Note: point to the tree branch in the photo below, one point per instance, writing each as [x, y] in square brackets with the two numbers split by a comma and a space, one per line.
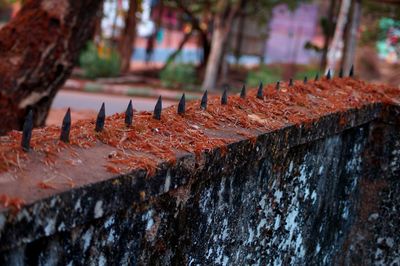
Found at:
[194, 21]
[171, 58]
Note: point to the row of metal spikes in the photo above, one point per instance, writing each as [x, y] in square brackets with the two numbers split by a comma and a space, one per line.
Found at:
[66, 124]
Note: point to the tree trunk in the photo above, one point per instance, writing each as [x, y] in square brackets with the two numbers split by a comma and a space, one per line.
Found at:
[152, 39]
[328, 33]
[127, 38]
[38, 49]
[351, 36]
[223, 63]
[97, 34]
[239, 37]
[224, 68]
[114, 24]
[213, 62]
[239, 34]
[338, 36]
[222, 26]
[205, 43]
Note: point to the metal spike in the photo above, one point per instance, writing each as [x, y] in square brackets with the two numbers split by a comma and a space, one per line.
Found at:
[182, 105]
[290, 82]
[351, 73]
[101, 117]
[66, 127]
[341, 73]
[316, 77]
[243, 92]
[224, 98]
[260, 91]
[328, 74]
[129, 114]
[203, 103]
[277, 86]
[157, 109]
[27, 132]
[305, 80]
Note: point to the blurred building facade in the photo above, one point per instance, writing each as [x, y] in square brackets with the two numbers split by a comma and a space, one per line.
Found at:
[289, 32]
[282, 41]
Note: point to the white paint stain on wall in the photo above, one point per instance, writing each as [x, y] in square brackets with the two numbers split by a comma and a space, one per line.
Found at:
[98, 209]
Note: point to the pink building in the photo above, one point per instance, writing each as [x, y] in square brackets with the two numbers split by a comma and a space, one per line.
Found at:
[289, 32]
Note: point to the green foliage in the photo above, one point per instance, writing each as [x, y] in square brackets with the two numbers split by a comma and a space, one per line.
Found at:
[273, 73]
[377, 30]
[371, 34]
[378, 9]
[386, 23]
[306, 71]
[178, 75]
[264, 74]
[97, 65]
[373, 11]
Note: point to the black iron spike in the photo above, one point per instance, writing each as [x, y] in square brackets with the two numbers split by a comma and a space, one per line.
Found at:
[129, 114]
[182, 105]
[290, 82]
[27, 131]
[101, 117]
[316, 77]
[328, 74]
[305, 80]
[278, 85]
[157, 109]
[66, 127]
[204, 99]
[224, 98]
[243, 92]
[351, 73]
[341, 72]
[260, 91]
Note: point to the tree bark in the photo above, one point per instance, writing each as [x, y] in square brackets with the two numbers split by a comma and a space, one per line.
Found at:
[239, 36]
[328, 34]
[205, 43]
[338, 36]
[351, 36]
[151, 41]
[222, 26]
[213, 62]
[38, 49]
[128, 36]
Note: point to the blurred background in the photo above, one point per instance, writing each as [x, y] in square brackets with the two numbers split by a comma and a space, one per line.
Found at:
[145, 48]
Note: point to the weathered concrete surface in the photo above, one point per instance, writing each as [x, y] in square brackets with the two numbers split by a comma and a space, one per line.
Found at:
[325, 194]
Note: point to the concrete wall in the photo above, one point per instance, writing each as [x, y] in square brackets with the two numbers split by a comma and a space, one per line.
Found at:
[321, 194]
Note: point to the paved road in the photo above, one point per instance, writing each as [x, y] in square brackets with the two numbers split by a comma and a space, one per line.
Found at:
[85, 105]
[83, 101]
